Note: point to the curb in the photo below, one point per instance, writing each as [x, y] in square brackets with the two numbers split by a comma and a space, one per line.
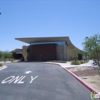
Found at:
[81, 81]
[6, 62]
[3, 67]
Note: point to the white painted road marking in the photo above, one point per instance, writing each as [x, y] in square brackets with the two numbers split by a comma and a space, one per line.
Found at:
[27, 72]
[17, 79]
[33, 78]
[8, 79]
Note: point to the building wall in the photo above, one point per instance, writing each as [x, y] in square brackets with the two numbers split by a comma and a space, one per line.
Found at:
[24, 52]
[65, 52]
[42, 52]
[61, 52]
[68, 53]
[46, 52]
[72, 54]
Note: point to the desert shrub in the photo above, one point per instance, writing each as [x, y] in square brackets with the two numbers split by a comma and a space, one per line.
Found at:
[1, 65]
[75, 62]
[81, 62]
[86, 61]
[12, 60]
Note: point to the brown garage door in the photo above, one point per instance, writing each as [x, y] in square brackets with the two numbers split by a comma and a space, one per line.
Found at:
[42, 52]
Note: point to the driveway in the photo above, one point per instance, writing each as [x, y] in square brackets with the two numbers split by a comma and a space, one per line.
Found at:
[39, 81]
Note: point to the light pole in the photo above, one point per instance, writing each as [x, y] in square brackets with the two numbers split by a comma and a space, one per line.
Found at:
[86, 55]
[86, 38]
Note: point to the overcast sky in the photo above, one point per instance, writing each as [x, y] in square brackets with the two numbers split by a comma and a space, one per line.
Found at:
[47, 18]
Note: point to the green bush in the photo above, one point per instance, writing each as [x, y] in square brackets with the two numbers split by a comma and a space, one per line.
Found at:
[78, 62]
[81, 62]
[5, 55]
[1, 65]
[75, 62]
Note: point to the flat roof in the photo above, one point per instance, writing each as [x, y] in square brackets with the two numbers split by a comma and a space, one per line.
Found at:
[42, 39]
[47, 39]
[16, 50]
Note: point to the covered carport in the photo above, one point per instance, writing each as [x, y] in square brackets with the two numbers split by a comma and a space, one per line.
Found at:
[17, 53]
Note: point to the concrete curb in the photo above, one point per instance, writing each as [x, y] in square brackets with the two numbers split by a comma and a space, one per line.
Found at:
[81, 81]
[3, 67]
[6, 62]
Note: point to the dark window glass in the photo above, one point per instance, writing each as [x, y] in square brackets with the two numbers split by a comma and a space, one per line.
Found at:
[57, 42]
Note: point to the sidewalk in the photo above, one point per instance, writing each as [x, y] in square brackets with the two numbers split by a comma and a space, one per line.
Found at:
[68, 64]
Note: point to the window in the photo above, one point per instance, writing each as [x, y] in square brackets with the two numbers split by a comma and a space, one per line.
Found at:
[53, 42]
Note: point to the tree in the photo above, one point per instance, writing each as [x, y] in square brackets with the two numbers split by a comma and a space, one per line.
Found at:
[0, 54]
[5, 55]
[92, 47]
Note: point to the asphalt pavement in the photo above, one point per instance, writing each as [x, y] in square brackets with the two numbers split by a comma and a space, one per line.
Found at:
[39, 81]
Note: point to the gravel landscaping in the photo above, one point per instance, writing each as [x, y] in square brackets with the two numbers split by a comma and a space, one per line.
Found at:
[84, 71]
[89, 75]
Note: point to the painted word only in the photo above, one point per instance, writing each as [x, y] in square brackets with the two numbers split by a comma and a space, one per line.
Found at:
[17, 79]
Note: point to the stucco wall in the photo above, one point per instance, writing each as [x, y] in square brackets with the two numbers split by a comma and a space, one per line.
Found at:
[24, 52]
[65, 52]
[61, 52]
[72, 53]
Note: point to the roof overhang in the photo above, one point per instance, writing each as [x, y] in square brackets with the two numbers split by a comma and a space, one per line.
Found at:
[47, 39]
[42, 39]
[16, 50]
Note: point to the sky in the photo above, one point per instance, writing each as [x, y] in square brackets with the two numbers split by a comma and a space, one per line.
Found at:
[47, 18]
